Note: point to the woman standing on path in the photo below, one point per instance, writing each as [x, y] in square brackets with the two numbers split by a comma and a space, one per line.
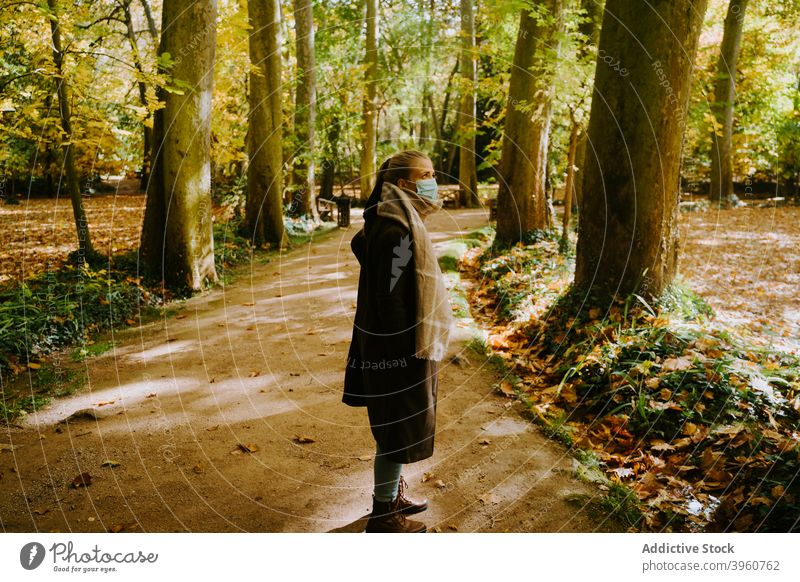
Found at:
[401, 332]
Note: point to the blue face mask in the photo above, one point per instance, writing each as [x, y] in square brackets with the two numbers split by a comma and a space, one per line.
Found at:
[427, 188]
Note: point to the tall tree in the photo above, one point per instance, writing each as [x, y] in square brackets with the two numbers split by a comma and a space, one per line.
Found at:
[177, 240]
[86, 252]
[467, 172]
[722, 108]
[370, 113]
[147, 127]
[264, 208]
[590, 30]
[521, 201]
[628, 232]
[426, 41]
[305, 107]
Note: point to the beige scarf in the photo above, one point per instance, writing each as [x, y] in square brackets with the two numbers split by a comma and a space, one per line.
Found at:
[434, 315]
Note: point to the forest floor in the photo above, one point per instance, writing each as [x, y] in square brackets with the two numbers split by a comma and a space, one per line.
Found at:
[259, 363]
[227, 416]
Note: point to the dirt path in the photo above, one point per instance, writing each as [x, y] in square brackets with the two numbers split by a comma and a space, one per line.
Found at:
[261, 362]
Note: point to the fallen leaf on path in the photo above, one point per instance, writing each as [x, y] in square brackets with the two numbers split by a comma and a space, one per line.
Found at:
[182, 316]
[82, 480]
[484, 442]
[676, 364]
[41, 511]
[303, 439]
[365, 458]
[427, 476]
[115, 528]
[151, 395]
[210, 428]
[105, 403]
[506, 388]
[254, 373]
[622, 472]
[662, 446]
[198, 469]
[110, 463]
[250, 448]
[439, 484]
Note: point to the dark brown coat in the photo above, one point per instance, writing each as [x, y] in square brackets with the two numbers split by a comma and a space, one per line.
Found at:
[398, 389]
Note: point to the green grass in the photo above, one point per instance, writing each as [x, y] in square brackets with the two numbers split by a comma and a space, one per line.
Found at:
[79, 354]
[48, 382]
[619, 503]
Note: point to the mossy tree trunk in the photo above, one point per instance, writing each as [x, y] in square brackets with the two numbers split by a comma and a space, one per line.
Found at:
[370, 112]
[147, 126]
[467, 172]
[628, 230]
[590, 29]
[521, 200]
[86, 252]
[264, 207]
[177, 236]
[722, 108]
[305, 108]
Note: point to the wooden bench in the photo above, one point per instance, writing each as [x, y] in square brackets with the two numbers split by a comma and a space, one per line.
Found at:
[325, 208]
[450, 197]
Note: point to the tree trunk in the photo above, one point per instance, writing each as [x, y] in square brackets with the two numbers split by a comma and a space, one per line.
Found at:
[722, 108]
[590, 28]
[427, 44]
[467, 173]
[329, 162]
[439, 149]
[521, 199]
[151, 23]
[147, 130]
[86, 252]
[264, 208]
[177, 236]
[368, 143]
[570, 182]
[628, 231]
[305, 107]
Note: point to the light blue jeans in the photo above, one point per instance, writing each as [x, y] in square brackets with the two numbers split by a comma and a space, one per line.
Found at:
[387, 476]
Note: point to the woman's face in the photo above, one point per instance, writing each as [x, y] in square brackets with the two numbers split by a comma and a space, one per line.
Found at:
[419, 169]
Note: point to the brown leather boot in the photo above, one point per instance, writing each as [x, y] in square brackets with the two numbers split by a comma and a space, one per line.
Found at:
[387, 518]
[407, 505]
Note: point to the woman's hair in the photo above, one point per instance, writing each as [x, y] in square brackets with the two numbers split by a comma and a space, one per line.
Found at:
[392, 169]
